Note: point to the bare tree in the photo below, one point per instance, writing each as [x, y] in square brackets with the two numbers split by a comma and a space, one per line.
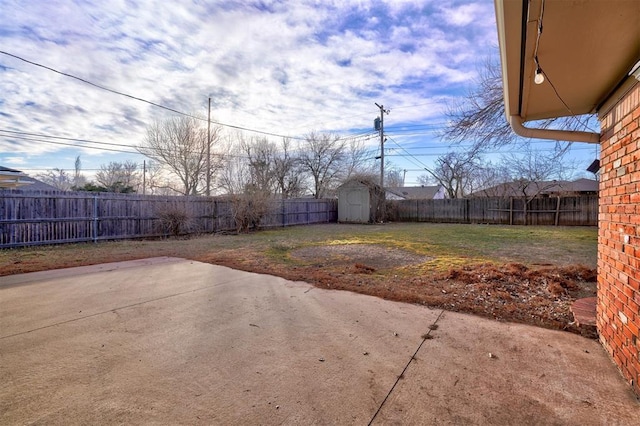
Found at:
[260, 154]
[235, 176]
[455, 171]
[393, 176]
[180, 145]
[535, 172]
[287, 172]
[78, 178]
[248, 181]
[119, 176]
[489, 180]
[57, 178]
[157, 182]
[480, 116]
[357, 160]
[323, 157]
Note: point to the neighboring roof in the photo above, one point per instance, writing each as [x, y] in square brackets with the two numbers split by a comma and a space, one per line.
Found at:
[582, 185]
[6, 169]
[531, 189]
[414, 192]
[12, 178]
[587, 48]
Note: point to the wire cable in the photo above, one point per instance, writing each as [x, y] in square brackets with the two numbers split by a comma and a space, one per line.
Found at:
[63, 138]
[69, 144]
[418, 162]
[145, 100]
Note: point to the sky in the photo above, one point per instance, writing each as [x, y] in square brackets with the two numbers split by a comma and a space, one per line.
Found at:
[279, 67]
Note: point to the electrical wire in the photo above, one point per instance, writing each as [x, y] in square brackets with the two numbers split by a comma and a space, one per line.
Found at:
[145, 100]
[539, 69]
[101, 87]
[63, 138]
[68, 144]
[36, 137]
[418, 162]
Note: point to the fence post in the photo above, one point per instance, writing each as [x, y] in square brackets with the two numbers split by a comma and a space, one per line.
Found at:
[510, 210]
[215, 216]
[284, 217]
[95, 218]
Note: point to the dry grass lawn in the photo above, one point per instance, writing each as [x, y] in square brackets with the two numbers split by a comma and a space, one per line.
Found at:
[511, 273]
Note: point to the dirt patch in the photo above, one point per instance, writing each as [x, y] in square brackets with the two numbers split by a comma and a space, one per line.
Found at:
[495, 272]
[515, 292]
[366, 257]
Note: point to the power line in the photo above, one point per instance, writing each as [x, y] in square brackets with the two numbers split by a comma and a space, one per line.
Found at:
[68, 144]
[144, 100]
[97, 85]
[42, 135]
[101, 148]
[153, 103]
[424, 125]
[36, 137]
[437, 154]
[413, 106]
[138, 167]
[364, 136]
[420, 163]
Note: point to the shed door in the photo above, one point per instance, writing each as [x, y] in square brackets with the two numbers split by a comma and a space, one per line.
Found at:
[357, 205]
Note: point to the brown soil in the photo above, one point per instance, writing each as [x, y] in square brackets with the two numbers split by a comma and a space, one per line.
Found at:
[511, 292]
[372, 255]
[535, 294]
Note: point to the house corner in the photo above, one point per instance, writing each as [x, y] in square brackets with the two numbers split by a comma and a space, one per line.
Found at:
[618, 308]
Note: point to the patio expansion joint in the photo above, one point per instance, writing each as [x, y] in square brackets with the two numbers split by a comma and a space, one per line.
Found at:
[425, 337]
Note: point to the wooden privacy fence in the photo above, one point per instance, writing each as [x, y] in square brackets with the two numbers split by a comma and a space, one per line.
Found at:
[51, 217]
[557, 211]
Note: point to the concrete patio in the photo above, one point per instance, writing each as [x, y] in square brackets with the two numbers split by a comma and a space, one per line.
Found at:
[172, 341]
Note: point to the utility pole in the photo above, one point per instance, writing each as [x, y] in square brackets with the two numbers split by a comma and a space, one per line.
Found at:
[381, 128]
[144, 177]
[209, 150]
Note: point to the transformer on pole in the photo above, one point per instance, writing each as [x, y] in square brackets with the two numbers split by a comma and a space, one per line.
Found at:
[378, 124]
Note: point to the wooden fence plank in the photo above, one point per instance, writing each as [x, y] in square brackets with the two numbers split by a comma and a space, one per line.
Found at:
[50, 217]
[507, 211]
[53, 217]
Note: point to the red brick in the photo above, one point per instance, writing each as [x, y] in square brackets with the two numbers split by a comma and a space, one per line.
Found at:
[619, 210]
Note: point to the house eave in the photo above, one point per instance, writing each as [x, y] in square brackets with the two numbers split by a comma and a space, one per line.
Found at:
[586, 50]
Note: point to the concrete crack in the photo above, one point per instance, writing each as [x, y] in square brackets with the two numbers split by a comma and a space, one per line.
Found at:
[425, 337]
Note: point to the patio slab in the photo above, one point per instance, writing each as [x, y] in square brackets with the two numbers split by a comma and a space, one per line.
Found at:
[174, 341]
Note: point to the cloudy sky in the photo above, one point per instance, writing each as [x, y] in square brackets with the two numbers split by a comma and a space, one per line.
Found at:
[280, 67]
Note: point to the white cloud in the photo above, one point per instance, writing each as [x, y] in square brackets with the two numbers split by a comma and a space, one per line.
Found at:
[14, 161]
[464, 14]
[283, 67]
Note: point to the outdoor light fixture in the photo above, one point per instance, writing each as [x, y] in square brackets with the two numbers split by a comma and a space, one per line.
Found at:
[539, 78]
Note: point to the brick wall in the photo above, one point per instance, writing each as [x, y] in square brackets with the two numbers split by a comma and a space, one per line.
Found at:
[618, 317]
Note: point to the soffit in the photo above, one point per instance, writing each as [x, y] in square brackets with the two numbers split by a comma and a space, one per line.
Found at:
[586, 49]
